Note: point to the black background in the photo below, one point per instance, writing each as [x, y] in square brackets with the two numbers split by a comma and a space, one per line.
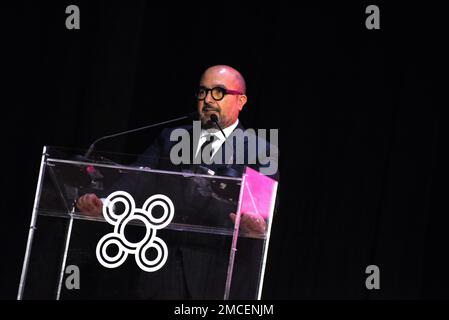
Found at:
[359, 124]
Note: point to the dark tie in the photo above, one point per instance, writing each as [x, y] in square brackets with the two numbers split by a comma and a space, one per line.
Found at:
[209, 140]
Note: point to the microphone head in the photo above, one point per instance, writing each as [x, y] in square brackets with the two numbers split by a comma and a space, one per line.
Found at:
[214, 117]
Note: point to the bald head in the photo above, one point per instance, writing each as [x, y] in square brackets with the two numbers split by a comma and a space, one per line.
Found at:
[227, 107]
[228, 72]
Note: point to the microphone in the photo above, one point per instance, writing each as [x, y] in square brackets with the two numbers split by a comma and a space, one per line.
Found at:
[214, 118]
[192, 115]
[227, 171]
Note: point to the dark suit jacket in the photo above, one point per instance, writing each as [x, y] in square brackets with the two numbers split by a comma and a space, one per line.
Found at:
[157, 156]
[197, 263]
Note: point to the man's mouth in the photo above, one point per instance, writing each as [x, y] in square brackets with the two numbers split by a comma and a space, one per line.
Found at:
[208, 110]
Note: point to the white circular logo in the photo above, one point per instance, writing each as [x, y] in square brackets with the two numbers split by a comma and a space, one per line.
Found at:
[150, 241]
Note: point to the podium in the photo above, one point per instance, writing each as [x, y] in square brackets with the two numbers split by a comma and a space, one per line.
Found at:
[160, 234]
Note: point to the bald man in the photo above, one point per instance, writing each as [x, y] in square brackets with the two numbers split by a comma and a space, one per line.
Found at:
[221, 92]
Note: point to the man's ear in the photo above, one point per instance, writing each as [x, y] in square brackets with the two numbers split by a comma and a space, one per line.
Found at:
[242, 101]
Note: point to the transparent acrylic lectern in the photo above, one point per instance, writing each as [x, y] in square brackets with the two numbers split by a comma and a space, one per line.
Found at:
[152, 234]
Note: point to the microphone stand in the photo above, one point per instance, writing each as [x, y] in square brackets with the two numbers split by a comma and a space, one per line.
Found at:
[92, 146]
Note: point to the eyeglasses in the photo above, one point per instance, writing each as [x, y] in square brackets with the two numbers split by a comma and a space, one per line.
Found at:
[217, 93]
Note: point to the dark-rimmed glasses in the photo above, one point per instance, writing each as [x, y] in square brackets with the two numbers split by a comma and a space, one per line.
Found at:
[217, 93]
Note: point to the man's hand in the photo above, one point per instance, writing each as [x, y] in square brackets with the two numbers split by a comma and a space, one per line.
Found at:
[90, 204]
[251, 222]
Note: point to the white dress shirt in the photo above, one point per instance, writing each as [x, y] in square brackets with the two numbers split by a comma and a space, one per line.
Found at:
[218, 140]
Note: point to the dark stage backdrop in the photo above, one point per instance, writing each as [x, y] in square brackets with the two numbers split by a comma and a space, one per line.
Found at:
[360, 128]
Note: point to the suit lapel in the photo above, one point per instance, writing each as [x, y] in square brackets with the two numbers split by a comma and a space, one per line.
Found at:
[228, 144]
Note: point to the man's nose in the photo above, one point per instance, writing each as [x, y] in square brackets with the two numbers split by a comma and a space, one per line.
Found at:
[209, 99]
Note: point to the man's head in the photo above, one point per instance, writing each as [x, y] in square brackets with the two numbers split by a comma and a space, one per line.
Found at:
[226, 101]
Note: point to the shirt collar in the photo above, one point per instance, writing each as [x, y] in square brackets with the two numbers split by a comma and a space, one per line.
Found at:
[217, 133]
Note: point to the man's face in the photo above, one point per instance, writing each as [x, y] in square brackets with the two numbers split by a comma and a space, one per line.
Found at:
[226, 109]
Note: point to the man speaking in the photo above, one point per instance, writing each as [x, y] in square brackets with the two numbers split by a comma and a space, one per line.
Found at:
[221, 96]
